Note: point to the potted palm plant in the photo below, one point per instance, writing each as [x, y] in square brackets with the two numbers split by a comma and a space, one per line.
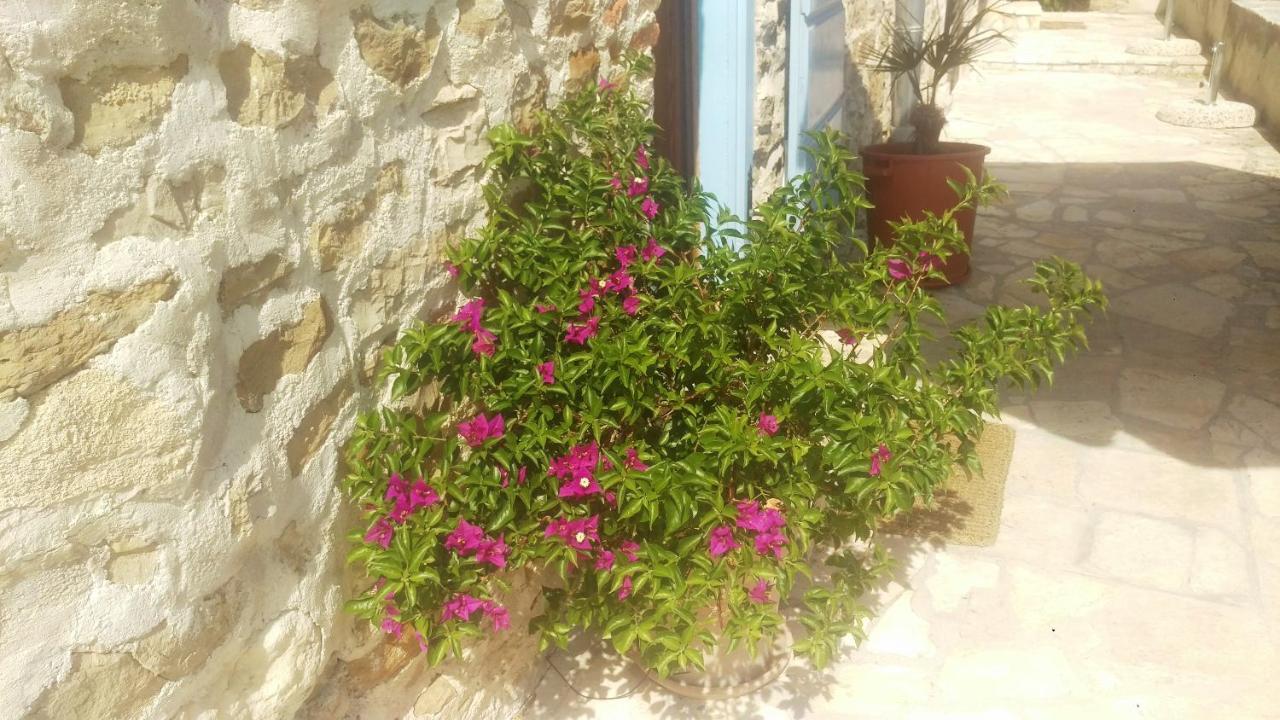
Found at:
[906, 180]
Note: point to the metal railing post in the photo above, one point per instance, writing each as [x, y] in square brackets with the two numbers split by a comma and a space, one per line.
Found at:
[1215, 72]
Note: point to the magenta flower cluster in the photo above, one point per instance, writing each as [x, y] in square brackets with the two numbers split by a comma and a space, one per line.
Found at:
[470, 318]
[925, 262]
[879, 457]
[405, 499]
[765, 524]
[767, 425]
[463, 606]
[578, 534]
[479, 429]
[469, 540]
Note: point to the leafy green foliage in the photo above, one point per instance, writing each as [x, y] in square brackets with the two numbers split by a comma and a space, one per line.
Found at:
[956, 40]
[803, 325]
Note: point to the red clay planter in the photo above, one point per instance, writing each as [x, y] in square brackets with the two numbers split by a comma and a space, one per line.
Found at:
[904, 185]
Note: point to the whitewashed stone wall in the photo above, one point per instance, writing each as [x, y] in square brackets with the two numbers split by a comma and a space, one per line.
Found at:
[213, 215]
[868, 95]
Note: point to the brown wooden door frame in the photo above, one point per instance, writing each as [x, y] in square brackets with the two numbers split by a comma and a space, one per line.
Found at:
[675, 85]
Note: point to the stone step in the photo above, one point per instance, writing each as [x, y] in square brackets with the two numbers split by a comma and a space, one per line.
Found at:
[1093, 42]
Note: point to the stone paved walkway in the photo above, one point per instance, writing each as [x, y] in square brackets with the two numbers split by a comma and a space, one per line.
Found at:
[1137, 573]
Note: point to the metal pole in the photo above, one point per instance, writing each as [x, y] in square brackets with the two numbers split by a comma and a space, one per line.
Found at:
[1215, 72]
[1168, 19]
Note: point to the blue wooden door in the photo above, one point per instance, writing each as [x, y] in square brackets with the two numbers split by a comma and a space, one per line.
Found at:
[726, 91]
[815, 74]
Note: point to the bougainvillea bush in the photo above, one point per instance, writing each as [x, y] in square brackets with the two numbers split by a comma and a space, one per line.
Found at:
[671, 426]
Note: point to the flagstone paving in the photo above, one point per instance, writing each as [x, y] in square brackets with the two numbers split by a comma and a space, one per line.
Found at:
[1137, 571]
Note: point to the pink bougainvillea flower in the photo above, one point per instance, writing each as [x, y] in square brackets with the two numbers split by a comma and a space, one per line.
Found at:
[605, 85]
[754, 519]
[580, 487]
[846, 336]
[642, 157]
[493, 552]
[650, 207]
[898, 269]
[380, 534]
[392, 627]
[652, 251]
[452, 269]
[604, 561]
[770, 541]
[624, 591]
[759, 593]
[580, 460]
[506, 477]
[721, 541]
[422, 495]
[497, 615]
[466, 538]
[460, 607]
[928, 261]
[639, 186]
[520, 476]
[588, 301]
[544, 309]
[547, 371]
[578, 534]
[397, 487]
[615, 182]
[631, 305]
[633, 461]
[579, 334]
[485, 343]
[400, 511]
[626, 254]
[879, 456]
[480, 429]
[629, 549]
[422, 642]
[767, 425]
[469, 316]
[620, 281]
[611, 499]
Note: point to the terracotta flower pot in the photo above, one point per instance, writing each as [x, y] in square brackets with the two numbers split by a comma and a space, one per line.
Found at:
[903, 185]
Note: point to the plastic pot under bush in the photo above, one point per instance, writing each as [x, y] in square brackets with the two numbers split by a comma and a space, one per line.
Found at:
[905, 185]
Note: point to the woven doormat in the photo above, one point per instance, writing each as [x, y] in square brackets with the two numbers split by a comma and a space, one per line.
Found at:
[967, 506]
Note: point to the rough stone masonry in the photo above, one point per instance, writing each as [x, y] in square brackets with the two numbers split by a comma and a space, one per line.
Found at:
[213, 215]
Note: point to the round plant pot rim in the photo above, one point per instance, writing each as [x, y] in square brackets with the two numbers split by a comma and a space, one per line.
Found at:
[780, 658]
[904, 151]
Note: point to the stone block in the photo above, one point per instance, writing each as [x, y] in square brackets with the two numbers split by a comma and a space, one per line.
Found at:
[271, 91]
[32, 358]
[251, 282]
[1141, 550]
[101, 685]
[314, 429]
[344, 235]
[1176, 399]
[397, 51]
[102, 435]
[284, 351]
[114, 106]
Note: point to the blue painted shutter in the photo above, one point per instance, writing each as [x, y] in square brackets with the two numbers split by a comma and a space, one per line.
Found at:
[815, 74]
[726, 86]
